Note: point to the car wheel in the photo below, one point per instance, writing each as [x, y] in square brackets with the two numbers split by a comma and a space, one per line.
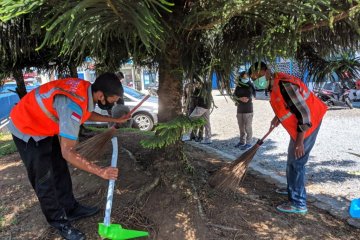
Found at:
[144, 122]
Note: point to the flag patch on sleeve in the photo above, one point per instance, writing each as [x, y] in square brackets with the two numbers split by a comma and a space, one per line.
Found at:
[75, 117]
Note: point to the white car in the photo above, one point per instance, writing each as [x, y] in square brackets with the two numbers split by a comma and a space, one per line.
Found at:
[145, 116]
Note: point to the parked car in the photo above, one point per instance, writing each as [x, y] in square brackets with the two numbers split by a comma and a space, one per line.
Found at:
[8, 87]
[9, 97]
[145, 116]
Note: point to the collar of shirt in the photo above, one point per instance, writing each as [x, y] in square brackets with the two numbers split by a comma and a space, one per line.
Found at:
[91, 105]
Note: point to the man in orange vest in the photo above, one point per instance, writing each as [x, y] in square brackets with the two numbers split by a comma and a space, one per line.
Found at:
[301, 113]
[45, 126]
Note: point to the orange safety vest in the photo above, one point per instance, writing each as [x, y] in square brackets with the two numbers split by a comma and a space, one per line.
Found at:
[34, 114]
[288, 119]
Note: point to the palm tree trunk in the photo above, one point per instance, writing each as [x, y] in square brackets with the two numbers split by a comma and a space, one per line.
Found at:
[73, 70]
[170, 85]
[170, 94]
[19, 78]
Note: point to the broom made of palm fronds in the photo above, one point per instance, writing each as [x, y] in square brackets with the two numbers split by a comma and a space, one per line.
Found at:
[94, 147]
[230, 176]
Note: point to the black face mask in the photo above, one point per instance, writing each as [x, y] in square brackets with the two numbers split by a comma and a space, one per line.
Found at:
[106, 106]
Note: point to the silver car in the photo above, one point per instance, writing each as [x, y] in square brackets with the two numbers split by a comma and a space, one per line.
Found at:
[145, 116]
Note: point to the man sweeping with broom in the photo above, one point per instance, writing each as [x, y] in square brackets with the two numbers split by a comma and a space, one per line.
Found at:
[301, 113]
[45, 126]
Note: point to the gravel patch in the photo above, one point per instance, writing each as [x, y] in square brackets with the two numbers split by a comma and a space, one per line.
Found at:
[332, 170]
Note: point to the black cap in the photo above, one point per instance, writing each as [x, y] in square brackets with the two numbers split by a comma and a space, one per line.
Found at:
[109, 84]
[255, 67]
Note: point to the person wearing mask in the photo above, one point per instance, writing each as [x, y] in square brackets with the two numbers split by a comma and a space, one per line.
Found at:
[301, 113]
[243, 95]
[45, 126]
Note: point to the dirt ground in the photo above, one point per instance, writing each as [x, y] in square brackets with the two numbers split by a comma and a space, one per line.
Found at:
[187, 208]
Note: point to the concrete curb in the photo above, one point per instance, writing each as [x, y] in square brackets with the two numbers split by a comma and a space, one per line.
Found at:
[337, 207]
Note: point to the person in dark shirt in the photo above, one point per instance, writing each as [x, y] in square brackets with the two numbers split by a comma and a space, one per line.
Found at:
[243, 95]
[202, 103]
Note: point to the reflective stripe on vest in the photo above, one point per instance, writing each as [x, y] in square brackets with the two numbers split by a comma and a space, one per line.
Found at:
[39, 98]
[286, 116]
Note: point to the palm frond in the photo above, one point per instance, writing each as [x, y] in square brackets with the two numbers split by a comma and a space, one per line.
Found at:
[340, 67]
[102, 26]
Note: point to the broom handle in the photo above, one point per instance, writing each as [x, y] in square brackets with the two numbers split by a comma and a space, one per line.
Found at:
[110, 193]
[138, 105]
[261, 141]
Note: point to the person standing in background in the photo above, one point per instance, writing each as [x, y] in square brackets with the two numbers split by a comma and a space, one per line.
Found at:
[202, 104]
[243, 95]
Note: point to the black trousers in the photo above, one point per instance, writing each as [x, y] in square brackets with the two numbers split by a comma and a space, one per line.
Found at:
[49, 175]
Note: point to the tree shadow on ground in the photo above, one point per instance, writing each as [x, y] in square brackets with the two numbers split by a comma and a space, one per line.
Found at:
[317, 172]
[172, 209]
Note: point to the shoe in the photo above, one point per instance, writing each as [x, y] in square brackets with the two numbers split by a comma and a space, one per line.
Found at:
[282, 191]
[185, 138]
[288, 207]
[239, 145]
[245, 147]
[206, 141]
[81, 211]
[70, 233]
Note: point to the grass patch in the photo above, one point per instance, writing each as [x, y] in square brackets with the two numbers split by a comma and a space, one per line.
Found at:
[7, 145]
[145, 133]
[96, 129]
[103, 129]
[2, 216]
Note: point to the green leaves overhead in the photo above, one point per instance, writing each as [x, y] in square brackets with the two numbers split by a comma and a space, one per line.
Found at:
[103, 29]
[10, 9]
[233, 32]
[103, 26]
[345, 67]
[246, 30]
[216, 34]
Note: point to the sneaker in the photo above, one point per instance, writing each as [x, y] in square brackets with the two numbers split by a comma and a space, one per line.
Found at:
[185, 138]
[81, 211]
[70, 233]
[239, 145]
[282, 191]
[206, 141]
[288, 207]
[245, 147]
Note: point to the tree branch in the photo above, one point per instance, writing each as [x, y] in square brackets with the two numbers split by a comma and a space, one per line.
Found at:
[218, 21]
[148, 188]
[339, 17]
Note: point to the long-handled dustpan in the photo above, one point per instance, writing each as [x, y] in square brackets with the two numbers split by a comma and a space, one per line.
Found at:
[115, 231]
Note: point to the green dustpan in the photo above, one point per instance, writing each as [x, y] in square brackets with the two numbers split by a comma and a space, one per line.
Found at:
[115, 231]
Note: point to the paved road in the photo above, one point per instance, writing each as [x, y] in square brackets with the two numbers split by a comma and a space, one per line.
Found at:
[332, 169]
